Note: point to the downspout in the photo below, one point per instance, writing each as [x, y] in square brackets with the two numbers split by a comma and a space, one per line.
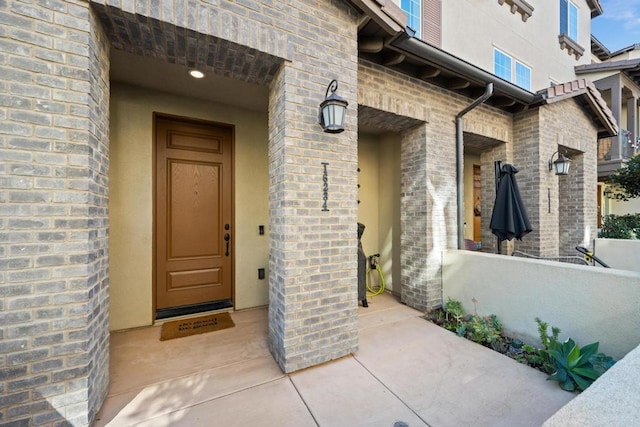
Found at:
[460, 160]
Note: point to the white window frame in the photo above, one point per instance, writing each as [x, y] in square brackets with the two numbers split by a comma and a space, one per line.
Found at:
[513, 63]
[417, 16]
[497, 51]
[572, 29]
[527, 85]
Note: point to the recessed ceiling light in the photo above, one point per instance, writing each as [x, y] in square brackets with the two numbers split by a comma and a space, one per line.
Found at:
[196, 74]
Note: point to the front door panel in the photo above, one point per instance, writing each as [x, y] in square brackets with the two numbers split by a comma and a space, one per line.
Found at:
[193, 213]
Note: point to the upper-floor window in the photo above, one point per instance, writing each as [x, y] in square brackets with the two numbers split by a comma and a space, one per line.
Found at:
[523, 76]
[412, 8]
[512, 70]
[569, 19]
[502, 65]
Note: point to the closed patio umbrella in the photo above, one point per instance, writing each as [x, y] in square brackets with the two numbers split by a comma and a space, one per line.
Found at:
[509, 217]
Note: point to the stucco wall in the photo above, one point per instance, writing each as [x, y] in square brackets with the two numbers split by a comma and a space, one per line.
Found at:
[587, 303]
[131, 198]
[622, 208]
[611, 401]
[379, 196]
[534, 42]
[618, 253]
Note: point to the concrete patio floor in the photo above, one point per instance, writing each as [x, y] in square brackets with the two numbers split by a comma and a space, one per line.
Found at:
[407, 370]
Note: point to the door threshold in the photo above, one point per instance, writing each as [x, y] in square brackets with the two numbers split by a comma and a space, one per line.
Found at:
[189, 311]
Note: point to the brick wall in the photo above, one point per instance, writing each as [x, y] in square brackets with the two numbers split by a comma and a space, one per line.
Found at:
[53, 217]
[562, 209]
[428, 184]
[416, 228]
[313, 301]
[576, 203]
[533, 180]
[313, 305]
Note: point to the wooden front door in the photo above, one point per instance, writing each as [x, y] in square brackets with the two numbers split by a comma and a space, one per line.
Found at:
[193, 216]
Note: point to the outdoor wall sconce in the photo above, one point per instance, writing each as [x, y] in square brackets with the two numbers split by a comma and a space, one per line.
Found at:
[561, 164]
[332, 110]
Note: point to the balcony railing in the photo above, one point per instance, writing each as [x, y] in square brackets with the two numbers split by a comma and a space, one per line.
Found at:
[627, 147]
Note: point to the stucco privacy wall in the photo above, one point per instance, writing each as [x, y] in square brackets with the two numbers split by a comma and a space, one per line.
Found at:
[618, 253]
[612, 400]
[54, 98]
[587, 303]
[428, 173]
[131, 198]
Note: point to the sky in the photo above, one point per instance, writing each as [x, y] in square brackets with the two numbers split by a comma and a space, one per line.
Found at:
[619, 25]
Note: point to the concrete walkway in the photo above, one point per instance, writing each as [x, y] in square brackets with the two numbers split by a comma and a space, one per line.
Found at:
[407, 370]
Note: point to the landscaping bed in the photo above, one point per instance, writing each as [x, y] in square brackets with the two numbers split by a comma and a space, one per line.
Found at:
[574, 368]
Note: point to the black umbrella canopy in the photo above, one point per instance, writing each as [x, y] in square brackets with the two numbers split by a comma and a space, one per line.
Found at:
[509, 218]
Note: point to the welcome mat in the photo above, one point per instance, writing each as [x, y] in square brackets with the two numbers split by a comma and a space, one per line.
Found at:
[196, 325]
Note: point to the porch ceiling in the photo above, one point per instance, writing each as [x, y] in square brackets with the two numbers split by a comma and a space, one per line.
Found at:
[371, 120]
[158, 55]
[173, 78]
[476, 144]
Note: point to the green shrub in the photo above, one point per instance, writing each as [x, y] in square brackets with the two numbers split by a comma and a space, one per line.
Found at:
[548, 341]
[483, 330]
[454, 311]
[573, 367]
[621, 227]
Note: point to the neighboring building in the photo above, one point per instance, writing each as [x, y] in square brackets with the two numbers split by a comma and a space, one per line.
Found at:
[617, 77]
[128, 186]
[533, 46]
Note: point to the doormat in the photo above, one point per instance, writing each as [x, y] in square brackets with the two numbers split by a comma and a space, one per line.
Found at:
[195, 326]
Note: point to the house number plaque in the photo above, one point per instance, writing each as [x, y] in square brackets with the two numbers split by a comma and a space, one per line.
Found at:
[325, 187]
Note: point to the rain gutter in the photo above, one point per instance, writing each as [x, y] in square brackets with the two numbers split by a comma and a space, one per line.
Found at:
[459, 160]
[406, 43]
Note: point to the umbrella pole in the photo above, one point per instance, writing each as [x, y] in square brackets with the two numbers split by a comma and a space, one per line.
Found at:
[497, 167]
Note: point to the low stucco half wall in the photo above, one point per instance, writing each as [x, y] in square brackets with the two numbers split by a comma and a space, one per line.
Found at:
[611, 401]
[618, 253]
[587, 303]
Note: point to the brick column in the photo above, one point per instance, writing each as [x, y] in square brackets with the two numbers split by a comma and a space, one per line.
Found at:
[53, 219]
[533, 146]
[313, 307]
[414, 231]
[428, 210]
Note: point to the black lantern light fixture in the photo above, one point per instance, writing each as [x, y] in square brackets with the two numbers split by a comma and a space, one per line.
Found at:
[561, 164]
[332, 110]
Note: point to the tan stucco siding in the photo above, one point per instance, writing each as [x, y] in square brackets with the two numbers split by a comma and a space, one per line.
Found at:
[131, 198]
[379, 201]
[487, 25]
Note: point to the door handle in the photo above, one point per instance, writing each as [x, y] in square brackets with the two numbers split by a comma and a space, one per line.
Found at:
[227, 237]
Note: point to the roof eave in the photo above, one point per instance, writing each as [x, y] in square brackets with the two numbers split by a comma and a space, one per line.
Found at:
[608, 125]
[405, 42]
[596, 8]
[389, 16]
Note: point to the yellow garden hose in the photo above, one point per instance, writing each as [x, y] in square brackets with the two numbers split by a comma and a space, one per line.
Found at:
[374, 265]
